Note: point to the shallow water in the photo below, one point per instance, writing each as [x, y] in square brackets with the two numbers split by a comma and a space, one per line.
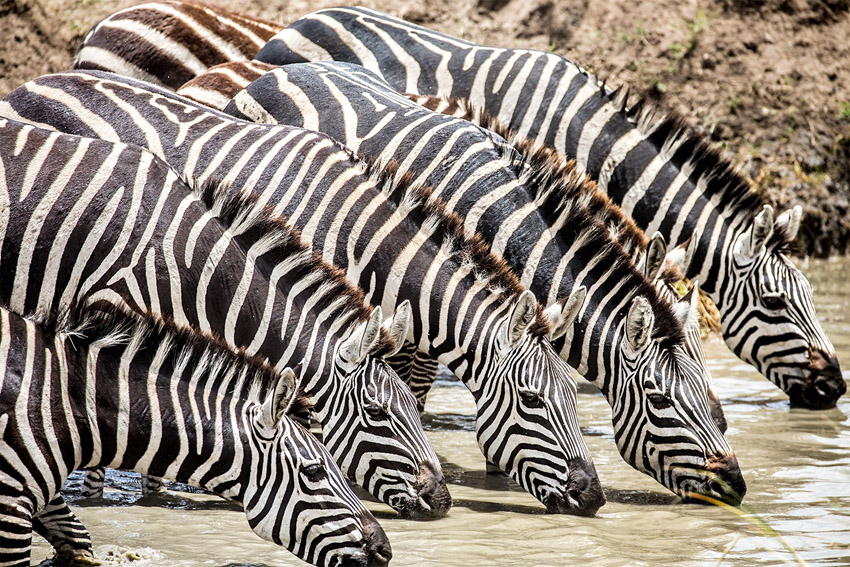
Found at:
[796, 463]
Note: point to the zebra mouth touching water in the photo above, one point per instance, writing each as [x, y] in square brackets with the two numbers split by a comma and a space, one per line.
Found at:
[582, 496]
[720, 482]
[428, 498]
[821, 386]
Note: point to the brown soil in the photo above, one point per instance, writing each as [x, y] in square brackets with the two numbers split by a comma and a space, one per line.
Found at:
[769, 80]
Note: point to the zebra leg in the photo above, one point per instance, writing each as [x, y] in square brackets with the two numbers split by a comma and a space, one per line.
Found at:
[63, 530]
[151, 484]
[93, 483]
[15, 526]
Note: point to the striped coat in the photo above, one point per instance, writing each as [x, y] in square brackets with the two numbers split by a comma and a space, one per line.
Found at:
[468, 310]
[665, 177]
[140, 393]
[113, 223]
[534, 211]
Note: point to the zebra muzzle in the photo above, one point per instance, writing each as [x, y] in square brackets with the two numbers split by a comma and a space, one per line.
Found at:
[724, 481]
[582, 495]
[377, 551]
[823, 386]
[432, 499]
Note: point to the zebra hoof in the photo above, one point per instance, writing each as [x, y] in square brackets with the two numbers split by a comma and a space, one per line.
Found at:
[68, 556]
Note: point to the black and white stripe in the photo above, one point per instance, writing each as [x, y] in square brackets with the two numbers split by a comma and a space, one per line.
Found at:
[139, 393]
[532, 209]
[115, 224]
[668, 179]
[469, 311]
[168, 43]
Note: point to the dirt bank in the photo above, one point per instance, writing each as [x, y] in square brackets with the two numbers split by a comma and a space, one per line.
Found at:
[766, 79]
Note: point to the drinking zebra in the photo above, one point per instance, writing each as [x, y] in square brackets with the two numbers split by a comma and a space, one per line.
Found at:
[666, 177]
[168, 43]
[513, 197]
[115, 224]
[138, 392]
[468, 309]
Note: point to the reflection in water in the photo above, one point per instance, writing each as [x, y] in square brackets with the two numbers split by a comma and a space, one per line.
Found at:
[796, 463]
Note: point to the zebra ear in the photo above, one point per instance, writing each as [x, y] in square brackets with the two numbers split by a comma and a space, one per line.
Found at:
[278, 402]
[357, 346]
[680, 256]
[654, 257]
[751, 243]
[398, 326]
[687, 308]
[522, 316]
[788, 223]
[562, 314]
[639, 323]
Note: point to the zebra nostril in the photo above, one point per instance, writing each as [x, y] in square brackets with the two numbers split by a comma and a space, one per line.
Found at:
[376, 545]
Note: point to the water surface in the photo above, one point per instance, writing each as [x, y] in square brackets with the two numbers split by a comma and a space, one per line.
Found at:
[796, 463]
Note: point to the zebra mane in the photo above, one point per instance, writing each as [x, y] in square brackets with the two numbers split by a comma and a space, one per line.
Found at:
[573, 203]
[241, 213]
[427, 210]
[718, 178]
[107, 325]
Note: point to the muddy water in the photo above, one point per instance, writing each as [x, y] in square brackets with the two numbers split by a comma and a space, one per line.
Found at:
[796, 463]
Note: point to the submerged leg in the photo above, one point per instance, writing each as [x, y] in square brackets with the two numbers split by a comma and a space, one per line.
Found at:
[151, 484]
[63, 530]
[417, 370]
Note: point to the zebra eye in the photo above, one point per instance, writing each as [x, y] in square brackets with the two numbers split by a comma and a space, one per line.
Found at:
[314, 471]
[659, 400]
[774, 300]
[531, 398]
[377, 412]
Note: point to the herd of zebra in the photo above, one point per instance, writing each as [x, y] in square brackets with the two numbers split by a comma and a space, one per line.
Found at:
[216, 228]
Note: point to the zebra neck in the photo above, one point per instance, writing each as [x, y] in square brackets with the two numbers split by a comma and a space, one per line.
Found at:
[186, 421]
[592, 346]
[460, 335]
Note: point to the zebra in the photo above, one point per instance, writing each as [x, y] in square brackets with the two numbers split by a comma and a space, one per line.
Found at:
[216, 262]
[650, 255]
[662, 425]
[200, 413]
[468, 310]
[667, 178]
[168, 43]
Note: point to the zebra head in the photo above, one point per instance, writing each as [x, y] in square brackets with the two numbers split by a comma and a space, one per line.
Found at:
[526, 413]
[662, 422]
[298, 498]
[686, 308]
[374, 428]
[768, 314]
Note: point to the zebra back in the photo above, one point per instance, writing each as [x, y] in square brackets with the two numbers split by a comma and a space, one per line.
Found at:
[168, 43]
